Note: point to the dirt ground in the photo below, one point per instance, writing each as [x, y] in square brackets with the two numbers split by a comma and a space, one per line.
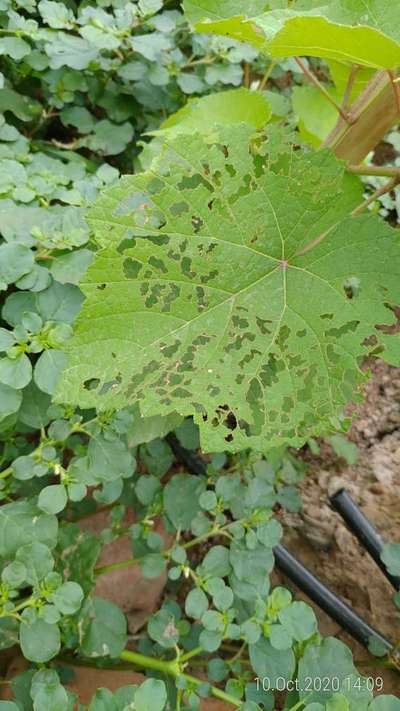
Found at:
[321, 541]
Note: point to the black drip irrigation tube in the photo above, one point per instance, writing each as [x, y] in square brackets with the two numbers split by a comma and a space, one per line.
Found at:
[363, 530]
[191, 460]
[322, 596]
[295, 571]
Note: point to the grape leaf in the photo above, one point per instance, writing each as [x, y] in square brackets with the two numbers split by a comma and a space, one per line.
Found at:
[227, 107]
[216, 10]
[319, 37]
[228, 18]
[352, 31]
[383, 15]
[207, 298]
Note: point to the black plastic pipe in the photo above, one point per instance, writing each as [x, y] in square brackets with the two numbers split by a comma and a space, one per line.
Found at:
[363, 530]
[191, 460]
[322, 596]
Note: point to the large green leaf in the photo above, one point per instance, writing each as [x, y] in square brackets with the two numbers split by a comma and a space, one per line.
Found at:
[319, 37]
[228, 18]
[382, 15]
[207, 299]
[226, 107]
[350, 31]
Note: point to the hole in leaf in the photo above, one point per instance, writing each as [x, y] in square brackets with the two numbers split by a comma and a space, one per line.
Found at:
[91, 383]
[231, 421]
[351, 287]
[197, 223]
[111, 385]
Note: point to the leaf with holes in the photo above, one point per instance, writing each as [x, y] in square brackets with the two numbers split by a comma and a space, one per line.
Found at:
[232, 286]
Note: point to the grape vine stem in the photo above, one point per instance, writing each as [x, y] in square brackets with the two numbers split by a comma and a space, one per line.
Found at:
[382, 170]
[386, 188]
[305, 69]
[396, 89]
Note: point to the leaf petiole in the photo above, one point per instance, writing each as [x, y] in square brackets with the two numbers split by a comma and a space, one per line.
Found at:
[386, 188]
[384, 170]
[304, 68]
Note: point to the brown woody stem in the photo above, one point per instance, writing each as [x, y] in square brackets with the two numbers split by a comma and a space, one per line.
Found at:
[396, 90]
[375, 111]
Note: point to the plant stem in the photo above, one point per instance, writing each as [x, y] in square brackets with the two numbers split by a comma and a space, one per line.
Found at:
[377, 194]
[349, 87]
[6, 472]
[193, 653]
[396, 89]
[385, 171]
[197, 62]
[173, 668]
[238, 654]
[344, 114]
[300, 703]
[246, 75]
[135, 561]
[205, 536]
[376, 112]
[140, 660]
[264, 81]
[217, 693]
[117, 566]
